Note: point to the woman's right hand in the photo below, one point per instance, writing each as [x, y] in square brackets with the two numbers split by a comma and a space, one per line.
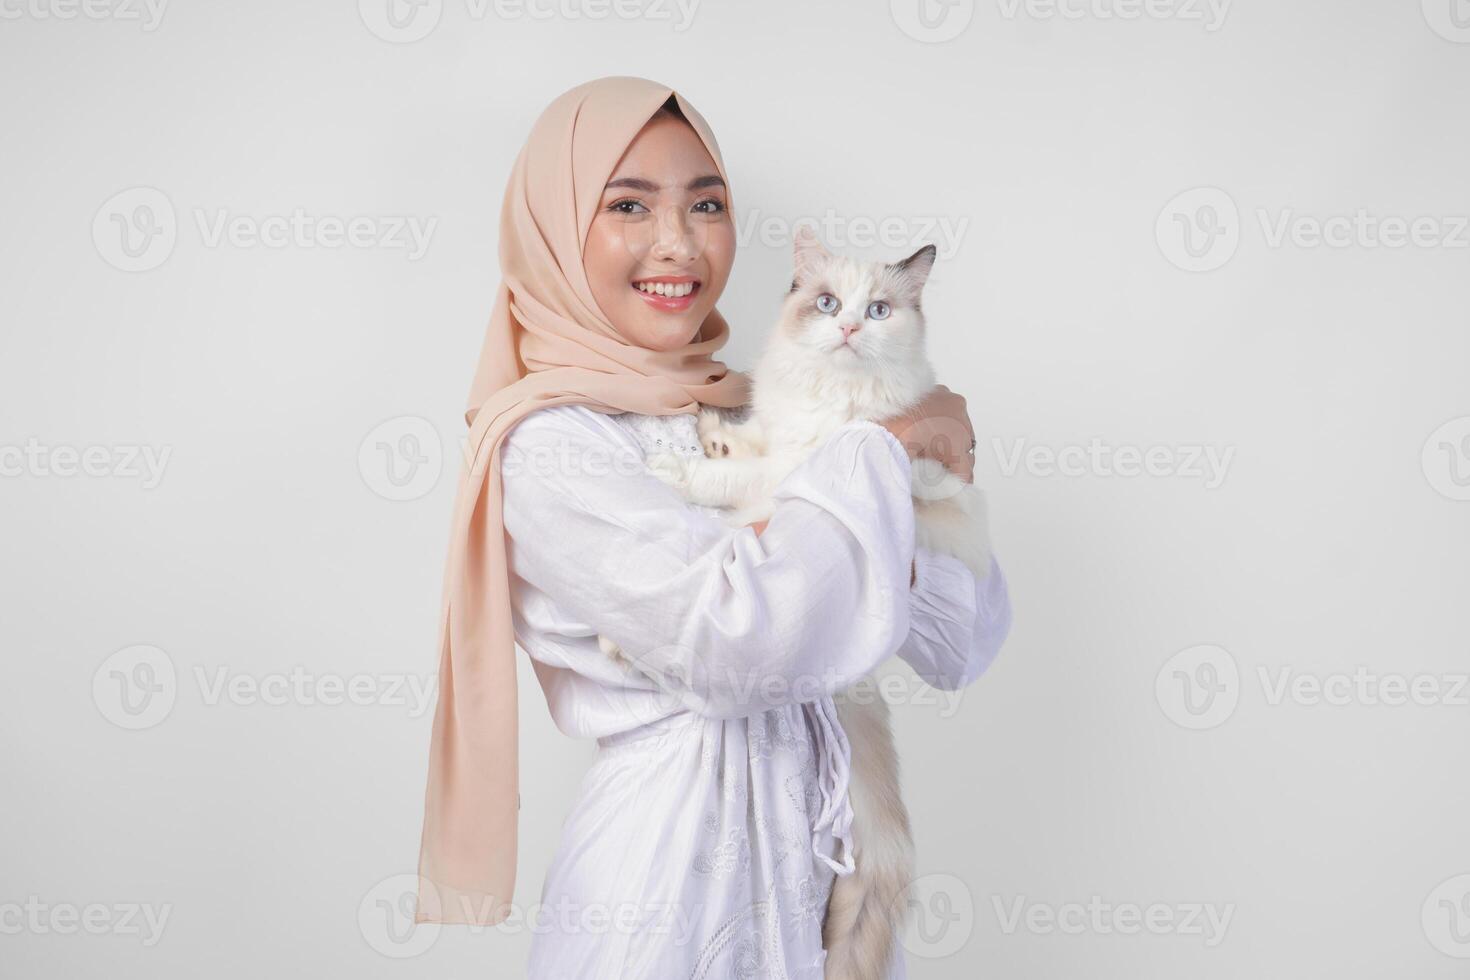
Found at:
[938, 427]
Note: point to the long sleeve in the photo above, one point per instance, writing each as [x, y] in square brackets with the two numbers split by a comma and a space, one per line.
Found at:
[729, 622]
[958, 621]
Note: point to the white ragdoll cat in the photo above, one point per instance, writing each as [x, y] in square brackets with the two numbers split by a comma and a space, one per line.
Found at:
[849, 344]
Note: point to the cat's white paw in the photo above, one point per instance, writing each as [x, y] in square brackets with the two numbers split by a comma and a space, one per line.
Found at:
[671, 468]
[713, 435]
[611, 649]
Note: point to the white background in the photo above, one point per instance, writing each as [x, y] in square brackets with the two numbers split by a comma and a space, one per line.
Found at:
[1055, 144]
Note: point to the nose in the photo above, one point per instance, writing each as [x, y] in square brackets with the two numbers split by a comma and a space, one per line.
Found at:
[673, 241]
[849, 328]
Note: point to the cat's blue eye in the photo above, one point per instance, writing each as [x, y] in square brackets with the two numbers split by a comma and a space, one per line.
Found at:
[878, 310]
[827, 303]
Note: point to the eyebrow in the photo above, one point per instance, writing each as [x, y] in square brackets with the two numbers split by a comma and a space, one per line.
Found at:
[649, 187]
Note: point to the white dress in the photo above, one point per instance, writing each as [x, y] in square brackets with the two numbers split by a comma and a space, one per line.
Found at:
[708, 830]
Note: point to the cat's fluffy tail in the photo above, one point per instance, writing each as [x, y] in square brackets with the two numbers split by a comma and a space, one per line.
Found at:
[866, 911]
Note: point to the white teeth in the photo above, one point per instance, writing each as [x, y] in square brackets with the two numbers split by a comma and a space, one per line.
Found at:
[671, 289]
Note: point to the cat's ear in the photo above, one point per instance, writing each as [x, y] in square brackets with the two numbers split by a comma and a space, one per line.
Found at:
[808, 252]
[916, 267]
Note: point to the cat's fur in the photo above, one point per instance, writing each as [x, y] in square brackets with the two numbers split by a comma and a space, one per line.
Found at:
[805, 386]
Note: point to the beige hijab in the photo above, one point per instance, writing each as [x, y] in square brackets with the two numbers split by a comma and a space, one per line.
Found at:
[547, 344]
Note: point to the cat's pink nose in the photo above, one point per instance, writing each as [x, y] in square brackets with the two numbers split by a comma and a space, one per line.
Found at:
[848, 329]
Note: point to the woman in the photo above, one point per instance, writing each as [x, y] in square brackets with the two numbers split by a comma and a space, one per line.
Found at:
[709, 828]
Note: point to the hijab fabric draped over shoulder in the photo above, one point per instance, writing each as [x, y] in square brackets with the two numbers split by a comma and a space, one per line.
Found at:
[547, 344]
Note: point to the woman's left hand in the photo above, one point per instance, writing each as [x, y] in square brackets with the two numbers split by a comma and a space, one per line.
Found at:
[938, 427]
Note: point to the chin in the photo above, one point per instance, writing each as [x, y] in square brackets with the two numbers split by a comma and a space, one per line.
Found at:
[663, 335]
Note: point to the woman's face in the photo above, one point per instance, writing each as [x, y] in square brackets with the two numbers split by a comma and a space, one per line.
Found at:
[659, 251]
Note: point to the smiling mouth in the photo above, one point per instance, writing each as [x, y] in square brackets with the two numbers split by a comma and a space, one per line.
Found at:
[668, 293]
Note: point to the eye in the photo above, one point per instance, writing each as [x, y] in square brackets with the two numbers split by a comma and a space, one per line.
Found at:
[627, 205]
[710, 206]
[878, 310]
[827, 303]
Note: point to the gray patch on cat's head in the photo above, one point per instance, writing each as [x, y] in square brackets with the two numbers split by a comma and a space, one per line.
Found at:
[909, 275]
[918, 265]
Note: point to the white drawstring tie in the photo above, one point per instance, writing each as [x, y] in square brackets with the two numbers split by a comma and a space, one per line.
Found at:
[834, 771]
